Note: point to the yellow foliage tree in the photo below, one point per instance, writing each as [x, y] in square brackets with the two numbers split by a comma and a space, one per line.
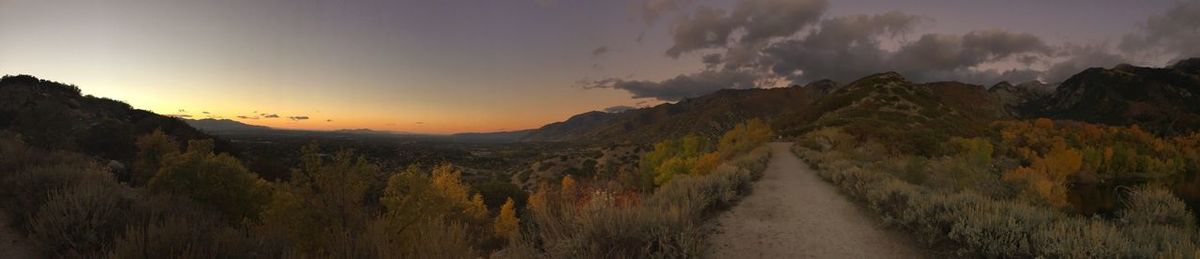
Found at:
[1047, 177]
[153, 149]
[506, 222]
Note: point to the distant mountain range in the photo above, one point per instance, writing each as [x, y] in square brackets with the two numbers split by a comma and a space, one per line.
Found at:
[1162, 100]
[224, 125]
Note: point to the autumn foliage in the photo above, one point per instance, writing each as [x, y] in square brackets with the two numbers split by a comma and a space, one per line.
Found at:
[696, 155]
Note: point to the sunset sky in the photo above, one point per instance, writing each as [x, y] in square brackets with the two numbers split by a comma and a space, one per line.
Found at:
[458, 66]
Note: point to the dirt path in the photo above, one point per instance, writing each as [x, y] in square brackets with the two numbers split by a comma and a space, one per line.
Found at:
[792, 213]
[12, 244]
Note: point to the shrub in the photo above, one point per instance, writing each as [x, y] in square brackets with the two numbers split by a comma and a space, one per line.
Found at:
[1156, 224]
[435, 239]
[79, 220]
[217, 181]
[666, 225]
[153, 150]
[1156, 206]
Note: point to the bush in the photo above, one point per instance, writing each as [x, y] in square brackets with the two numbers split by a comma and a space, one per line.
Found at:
[217, 181]
[81, 219]
[436, 239]
[1156, 206]
[666, 225]
[1156, 224]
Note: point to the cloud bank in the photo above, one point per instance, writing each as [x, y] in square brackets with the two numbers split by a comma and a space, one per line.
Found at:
[756, 42]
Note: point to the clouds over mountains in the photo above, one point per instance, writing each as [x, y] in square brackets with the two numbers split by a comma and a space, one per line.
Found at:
[759, 42]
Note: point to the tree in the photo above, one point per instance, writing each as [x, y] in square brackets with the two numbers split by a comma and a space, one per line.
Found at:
[324, 205]
[1047, 177]
[507, 222]
[153, 149]
[216, 181]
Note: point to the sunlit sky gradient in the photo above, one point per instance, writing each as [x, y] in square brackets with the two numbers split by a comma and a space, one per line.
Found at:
[417, 66]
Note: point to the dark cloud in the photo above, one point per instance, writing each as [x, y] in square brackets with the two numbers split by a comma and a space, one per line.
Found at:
[761, 41]
[954, 57]
[706, 28]
[841, 48]
[712, 60]
[618, 109]
[182, 110]
[1080, 57]
[328, 120]
[247, 117]
[599, 51]
[1175, 33]
[298, 118]
[757, 20]
[680, 87]
[180, 115]
[420, 122]
[270, 116]
[204, 112]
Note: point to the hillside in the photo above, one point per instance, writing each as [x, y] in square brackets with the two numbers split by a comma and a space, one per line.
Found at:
[1020, 99]
[706, 115]
[903, 116]
[56, 116]
[1164, 100]
[217, 126]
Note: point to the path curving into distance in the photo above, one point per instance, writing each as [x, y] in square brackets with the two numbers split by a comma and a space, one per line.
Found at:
[793, 213]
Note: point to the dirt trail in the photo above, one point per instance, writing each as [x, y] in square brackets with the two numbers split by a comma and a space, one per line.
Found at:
[12, 244]
[792, 213]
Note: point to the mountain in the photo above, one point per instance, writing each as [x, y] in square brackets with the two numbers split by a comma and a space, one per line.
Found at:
[502, 136]
[706, 115]
[903, 116]
[218, 126]
[366, 131]
[573, 127]
[1017, 99]
[53, 115]
[1163, 100]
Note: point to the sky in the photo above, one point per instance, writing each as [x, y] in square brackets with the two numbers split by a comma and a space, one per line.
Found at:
[477, 66]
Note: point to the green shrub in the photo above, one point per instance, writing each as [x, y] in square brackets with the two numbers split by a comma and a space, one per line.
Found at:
[219, 182]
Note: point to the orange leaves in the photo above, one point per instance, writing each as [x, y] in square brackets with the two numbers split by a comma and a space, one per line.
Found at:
[694, 154]
[1044, 123]
[1061, 162]
[1047, 177]
[706, 163]
[570, 186]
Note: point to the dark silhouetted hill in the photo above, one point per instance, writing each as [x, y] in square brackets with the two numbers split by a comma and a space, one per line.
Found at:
[1164, 100]
[56, 116]
[218, 126]
[502, 136]
[707, 115]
